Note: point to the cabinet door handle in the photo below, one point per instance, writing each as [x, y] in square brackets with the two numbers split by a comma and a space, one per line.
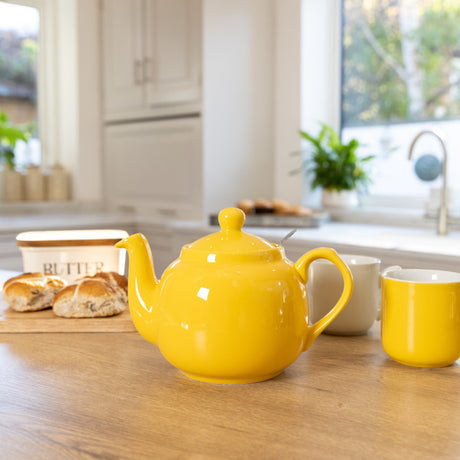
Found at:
[138, 71]
[146, 69]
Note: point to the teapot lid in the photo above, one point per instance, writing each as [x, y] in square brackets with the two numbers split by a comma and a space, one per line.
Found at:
[231, 243]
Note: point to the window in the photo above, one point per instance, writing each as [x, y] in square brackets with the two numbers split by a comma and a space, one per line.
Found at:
[19, 35]
[401, 74]
[68, 91]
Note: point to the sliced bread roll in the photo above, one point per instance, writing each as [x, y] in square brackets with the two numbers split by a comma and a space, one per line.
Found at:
[103, 294]
[113, 278]
[32, 291]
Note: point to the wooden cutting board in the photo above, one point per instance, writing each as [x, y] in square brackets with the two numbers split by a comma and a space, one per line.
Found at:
[47, 321]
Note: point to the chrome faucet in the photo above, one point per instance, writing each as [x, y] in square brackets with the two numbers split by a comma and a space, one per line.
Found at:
[442, 215]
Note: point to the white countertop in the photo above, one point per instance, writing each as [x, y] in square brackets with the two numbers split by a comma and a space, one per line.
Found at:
[378, 239]
[408, 247]
[367, 235]
[375, 236]
[18, 224]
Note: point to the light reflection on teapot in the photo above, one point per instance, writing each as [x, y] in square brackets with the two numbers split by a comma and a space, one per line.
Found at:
[232, 308]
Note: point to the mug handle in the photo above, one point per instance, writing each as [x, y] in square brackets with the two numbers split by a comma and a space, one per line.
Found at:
[301, 267]
[384, 273]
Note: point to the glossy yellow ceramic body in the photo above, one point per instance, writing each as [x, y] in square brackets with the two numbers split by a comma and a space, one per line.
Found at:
[420, 321]
[232, 308]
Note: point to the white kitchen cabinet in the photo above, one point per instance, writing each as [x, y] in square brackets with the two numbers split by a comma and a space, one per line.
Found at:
[154, 167]
[123, 56]
[160, 242]
[10, 255]
[152, 58]
[158, 162]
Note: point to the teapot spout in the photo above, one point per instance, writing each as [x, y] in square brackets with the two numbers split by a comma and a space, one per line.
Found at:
[143, 286]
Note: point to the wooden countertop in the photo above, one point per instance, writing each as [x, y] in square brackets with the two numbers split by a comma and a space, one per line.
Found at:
[112, 395]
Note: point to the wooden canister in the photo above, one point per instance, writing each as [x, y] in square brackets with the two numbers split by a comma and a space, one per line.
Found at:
[58, 184]
[12, 185]
[34, 184]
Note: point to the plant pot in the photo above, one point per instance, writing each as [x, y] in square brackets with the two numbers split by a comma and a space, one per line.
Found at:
[342, 199]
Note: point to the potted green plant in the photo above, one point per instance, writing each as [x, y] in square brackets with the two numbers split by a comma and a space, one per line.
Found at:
[10, 134]
[335, 167]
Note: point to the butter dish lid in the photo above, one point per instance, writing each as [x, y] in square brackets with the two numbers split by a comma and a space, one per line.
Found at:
[61, 238]
[231, 240]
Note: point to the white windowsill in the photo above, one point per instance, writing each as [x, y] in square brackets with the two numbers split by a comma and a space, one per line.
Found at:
[399, 217]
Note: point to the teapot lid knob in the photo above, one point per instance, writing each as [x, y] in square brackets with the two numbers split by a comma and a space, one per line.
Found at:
[231, 243]
[231, 219]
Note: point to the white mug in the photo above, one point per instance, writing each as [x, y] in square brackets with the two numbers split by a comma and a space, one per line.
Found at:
[325, 285]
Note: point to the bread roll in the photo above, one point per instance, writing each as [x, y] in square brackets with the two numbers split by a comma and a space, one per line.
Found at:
[104, 294]
[112, 278]
[281, 207]
[302, 211]
[32, 291]
[262, 206]
[247, 206]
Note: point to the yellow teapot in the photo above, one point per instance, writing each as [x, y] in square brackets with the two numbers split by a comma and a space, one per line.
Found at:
[232, 308]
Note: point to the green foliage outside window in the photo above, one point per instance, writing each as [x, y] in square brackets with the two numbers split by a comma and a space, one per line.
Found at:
[401, 61]
[18, 59]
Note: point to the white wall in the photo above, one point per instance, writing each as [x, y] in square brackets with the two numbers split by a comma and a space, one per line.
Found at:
[88, 170]
[238, 75]
[287, 101]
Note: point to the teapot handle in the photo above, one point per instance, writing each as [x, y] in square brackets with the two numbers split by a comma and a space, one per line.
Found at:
[302, 265]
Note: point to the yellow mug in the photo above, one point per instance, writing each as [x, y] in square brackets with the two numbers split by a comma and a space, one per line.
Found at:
[420, 316]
